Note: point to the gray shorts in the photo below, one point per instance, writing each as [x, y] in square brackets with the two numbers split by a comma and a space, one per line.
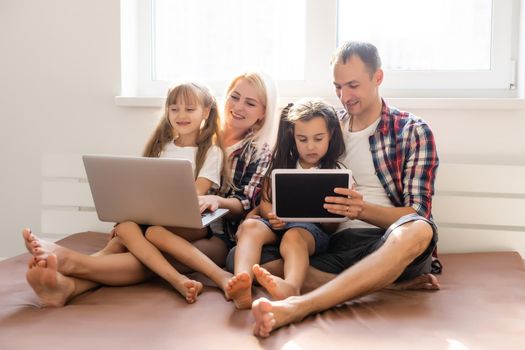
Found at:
[349, 246]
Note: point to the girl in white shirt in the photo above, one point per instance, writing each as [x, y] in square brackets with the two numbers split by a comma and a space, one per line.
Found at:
[189, 129]
[309, 137]
[58, 274]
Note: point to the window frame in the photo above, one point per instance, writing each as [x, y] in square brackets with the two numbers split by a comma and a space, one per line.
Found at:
[136, 57]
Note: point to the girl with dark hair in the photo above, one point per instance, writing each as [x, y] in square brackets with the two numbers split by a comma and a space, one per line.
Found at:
[309, 137]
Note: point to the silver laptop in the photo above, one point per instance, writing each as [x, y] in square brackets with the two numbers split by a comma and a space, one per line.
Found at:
[152, 191]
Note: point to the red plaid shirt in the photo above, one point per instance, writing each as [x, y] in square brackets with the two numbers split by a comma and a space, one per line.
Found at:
[405, 159]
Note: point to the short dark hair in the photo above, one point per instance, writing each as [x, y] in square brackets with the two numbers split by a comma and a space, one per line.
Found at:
[366, 51]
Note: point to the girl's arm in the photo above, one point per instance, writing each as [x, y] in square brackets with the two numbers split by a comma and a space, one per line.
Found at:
[266, 211]
[212, 202]
[265, 208]
[203, 185]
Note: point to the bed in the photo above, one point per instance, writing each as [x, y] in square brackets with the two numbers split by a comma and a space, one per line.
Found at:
[481, 306]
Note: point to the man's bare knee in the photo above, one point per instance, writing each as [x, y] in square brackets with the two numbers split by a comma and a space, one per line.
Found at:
[414, 237]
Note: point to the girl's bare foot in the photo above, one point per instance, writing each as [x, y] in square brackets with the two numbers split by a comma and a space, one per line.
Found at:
[239, 289]
[222, 280]
[277, 287]
[52, 288]
[189, 289]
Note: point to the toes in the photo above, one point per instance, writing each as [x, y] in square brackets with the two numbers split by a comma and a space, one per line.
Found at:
[26, 233]
[52, 262]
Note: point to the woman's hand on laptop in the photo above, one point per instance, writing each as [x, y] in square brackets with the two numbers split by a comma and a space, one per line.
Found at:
[209, 202]
[275, 222]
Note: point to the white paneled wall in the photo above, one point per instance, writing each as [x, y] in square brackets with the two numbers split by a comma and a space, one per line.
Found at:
[480, 208]
[67, 204]
[477, 207]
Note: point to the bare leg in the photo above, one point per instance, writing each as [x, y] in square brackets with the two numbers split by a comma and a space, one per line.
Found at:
[296, 247]
[251, 236]
[275, 267]
[105, 267]
[187, 254]
[402, 246]
[214, 248]
[114, 246]
[52, 288]
[132, 237]
[316, 278]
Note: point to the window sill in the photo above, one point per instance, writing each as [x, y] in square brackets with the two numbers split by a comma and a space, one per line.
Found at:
[402, 103]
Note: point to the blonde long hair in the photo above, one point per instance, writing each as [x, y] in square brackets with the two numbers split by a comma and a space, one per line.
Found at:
[209, 135]
[265, 131]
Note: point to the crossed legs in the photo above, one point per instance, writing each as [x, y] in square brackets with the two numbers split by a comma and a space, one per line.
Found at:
[58, 274]
[376, 271]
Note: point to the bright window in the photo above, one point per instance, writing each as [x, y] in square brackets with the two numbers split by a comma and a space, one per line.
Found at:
[447, 48]
[445, 45]
[423, 35]
[220, 38]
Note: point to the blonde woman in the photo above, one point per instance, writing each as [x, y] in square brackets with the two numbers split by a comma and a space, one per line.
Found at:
[249, 122]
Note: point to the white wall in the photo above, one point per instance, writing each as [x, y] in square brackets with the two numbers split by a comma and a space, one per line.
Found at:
[59, 73]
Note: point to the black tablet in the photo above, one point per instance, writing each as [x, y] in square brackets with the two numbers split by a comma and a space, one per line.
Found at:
[299, 195]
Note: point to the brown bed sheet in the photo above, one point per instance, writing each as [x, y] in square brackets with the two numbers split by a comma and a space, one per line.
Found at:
[481, 306]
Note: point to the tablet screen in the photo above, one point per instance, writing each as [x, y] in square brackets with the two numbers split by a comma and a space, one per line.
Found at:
[298, 195]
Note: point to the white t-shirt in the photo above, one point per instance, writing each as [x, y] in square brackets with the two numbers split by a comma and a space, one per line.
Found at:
[211, 169]
[299, 166]
[358, 158]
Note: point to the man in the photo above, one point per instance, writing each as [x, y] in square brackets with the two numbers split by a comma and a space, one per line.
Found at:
[390, 237]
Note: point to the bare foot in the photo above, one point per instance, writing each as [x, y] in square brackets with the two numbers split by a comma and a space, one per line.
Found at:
[39, 248]
[28, 239]
[277, 287]
[239, 289]
[222, 280]
[189, 289]
[426, 282]
[270, 315]
[52, 288]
